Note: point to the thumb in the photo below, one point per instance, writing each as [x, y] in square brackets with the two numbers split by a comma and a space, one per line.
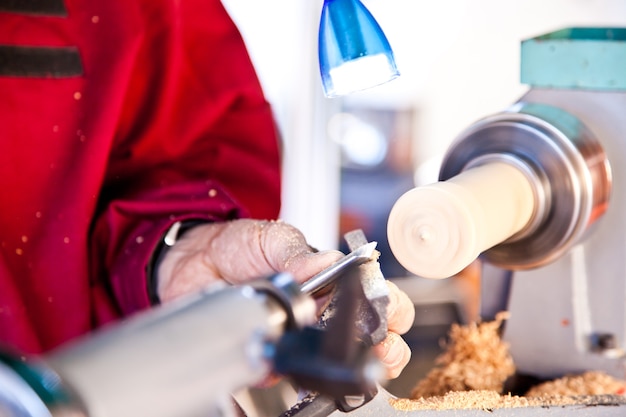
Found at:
[286, 250]
[304, 266]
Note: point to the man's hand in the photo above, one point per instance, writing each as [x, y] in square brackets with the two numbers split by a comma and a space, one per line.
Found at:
[242, 250]
[393, 352]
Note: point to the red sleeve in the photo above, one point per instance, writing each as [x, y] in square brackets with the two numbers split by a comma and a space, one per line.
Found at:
[196, 139]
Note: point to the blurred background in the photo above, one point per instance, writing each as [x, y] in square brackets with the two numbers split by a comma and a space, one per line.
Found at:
[347, 160]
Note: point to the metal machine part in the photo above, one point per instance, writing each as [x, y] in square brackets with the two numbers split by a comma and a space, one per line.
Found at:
[564, 161]
[561, 277]
[327, 277]
[333, 359]
[372, 316]
[17, 398]
[570, 294]
[357, 311]
[531, 152]
[189, 356]
[581, 296]
[183, 358]
[573, 304]
[31, 390]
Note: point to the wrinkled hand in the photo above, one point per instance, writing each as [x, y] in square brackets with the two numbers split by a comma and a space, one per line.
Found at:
[242, 250]
[393, 352]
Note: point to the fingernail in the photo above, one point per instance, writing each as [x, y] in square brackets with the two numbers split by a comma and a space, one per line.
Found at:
[395, 353]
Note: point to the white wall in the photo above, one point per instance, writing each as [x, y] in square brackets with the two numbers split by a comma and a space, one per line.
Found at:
[459, 61]
[282, 39]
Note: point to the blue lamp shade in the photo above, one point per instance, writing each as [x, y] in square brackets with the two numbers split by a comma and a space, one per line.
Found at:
[354, 53]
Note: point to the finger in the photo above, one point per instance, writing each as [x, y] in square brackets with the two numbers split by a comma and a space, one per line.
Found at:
[401, 311]
[304, 266]
[237, 252]
[393, 353]
[286, 249]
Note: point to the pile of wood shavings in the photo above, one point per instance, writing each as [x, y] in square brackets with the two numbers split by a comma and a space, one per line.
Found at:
[476, 358]
[479, 399]
[471, 373]
[588, 383]
[491, 400]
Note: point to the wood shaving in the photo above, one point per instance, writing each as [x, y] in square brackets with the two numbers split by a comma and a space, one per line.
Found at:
[491, 400]
[471, 372]
[588, 383]
[478, 399]
[475, 358]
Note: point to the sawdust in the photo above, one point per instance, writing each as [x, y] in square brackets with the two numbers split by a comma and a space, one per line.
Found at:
[471, 372]
[477, 399]
[491, 400]
[475, 359]
[587, 383]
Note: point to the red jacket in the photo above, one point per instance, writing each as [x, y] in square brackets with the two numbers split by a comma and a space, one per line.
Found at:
[117, 118]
